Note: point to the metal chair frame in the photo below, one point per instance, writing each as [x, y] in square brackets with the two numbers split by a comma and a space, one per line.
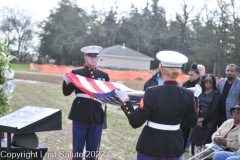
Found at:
[213, 146]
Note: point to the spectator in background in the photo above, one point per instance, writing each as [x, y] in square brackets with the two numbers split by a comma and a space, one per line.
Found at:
[201, 70]
[193, 80]
[207, 113]
[227, 134]
[156, 79]
[229, 88]
[193, 77]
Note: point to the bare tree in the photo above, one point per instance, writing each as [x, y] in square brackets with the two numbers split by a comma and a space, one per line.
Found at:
[183, 21]
[17, 25]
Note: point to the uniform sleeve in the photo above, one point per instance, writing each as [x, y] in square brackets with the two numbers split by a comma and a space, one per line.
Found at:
[190, 116]
[107, 78]
[138, 116]
[67, 89]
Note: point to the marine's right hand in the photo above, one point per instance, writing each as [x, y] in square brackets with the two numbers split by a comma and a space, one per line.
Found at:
[67, 81]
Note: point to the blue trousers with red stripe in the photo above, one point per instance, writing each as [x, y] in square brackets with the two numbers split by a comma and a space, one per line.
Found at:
[142, 157]
[85, 134]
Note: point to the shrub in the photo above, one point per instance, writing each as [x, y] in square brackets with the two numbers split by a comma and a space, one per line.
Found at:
[6, 76]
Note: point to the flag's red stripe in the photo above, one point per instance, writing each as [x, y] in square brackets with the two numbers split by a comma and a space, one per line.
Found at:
[94, 85]
[92, 82]
[110, 85]
[73, 78]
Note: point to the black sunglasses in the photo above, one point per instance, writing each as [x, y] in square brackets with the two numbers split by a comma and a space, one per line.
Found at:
[236, 112]
[206, 80]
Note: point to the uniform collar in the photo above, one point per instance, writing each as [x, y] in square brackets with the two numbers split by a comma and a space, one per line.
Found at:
[171, 83]
[90, 69]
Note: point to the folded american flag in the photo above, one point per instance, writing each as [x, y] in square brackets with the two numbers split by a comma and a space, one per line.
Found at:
[104, 91]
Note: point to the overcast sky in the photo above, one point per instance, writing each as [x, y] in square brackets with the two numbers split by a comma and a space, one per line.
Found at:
[40, 9]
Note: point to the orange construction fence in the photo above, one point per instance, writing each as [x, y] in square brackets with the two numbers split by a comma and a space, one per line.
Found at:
[113, 74]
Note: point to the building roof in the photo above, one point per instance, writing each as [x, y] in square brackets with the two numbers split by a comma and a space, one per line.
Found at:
[123, 52]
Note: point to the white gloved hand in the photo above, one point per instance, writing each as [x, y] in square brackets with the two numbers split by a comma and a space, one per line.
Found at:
[66, 79]
[197, 90]
[122, 95]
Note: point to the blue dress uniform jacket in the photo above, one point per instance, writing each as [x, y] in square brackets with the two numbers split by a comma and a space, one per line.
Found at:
[165, 104]
[85, 110]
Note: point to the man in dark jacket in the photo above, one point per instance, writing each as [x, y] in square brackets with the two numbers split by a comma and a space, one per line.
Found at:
[86, 112]
[156, 79]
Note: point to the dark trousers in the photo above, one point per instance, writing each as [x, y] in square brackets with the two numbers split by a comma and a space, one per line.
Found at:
[142, 157]
[85, 134]
[185, 133]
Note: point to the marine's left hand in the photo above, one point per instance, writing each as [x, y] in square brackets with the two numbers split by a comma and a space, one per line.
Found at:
[122, 95]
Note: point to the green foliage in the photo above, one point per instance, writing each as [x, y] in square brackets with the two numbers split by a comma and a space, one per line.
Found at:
[20, 67]
[5, 67]
[63, 33]
[210, 37]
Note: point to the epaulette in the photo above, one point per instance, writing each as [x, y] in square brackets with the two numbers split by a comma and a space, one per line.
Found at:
[155, 86]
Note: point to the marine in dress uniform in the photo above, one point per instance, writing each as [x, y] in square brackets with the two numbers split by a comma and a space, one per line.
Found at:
[86, 112]
[162, 109]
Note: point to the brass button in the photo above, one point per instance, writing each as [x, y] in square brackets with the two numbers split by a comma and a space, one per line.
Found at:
[91, 72]
[126, 108]
[129, 112]
[92, 76]
[124, 104]
[78, 101]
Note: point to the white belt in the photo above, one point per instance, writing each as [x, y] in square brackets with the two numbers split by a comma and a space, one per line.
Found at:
[87, 96]
[163, 126]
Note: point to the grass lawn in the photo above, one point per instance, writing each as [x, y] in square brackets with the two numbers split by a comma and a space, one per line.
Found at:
[20, 67]
[118, 140]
